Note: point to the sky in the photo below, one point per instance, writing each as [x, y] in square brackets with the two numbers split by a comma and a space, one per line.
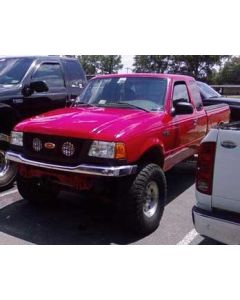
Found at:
[127, 61]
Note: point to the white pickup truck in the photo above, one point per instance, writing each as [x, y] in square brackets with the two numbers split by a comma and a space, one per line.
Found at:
[217, 210]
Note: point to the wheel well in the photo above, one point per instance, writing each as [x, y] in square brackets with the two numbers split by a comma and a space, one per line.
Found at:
[9, 119]
[153, 155]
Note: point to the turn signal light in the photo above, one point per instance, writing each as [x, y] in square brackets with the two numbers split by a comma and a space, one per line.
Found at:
[120, 151]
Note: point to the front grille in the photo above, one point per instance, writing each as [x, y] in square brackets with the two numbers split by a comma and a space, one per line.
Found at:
[54, 155]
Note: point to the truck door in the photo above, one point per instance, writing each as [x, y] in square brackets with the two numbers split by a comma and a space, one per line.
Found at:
[200, 116]
[55, 97]
[226, 188]
[185, 124]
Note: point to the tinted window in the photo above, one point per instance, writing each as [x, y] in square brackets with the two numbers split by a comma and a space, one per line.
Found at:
[148, 93]
[196, 97]
[180, 92]
[51, 73]
[12, 70]
[74, 71]
[207, 91]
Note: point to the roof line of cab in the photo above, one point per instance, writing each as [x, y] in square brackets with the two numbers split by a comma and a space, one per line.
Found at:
[153, 75]
[42, 57]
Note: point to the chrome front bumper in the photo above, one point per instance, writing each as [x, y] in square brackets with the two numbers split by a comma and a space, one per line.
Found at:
[223, 229]
[117, 171]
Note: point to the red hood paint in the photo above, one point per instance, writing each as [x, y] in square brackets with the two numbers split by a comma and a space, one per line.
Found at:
[108, 124]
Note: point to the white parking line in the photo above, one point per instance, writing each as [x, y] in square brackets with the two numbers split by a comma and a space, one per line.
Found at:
[9, 193]
[188, 238]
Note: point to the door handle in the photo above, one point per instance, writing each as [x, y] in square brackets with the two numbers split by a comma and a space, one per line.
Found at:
[228, 144]
[195, 122]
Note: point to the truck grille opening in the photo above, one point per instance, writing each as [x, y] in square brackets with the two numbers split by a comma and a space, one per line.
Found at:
[53, 149]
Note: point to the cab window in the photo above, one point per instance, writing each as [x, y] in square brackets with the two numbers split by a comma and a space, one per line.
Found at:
[180, 92]
[196, 97]
[51, 73]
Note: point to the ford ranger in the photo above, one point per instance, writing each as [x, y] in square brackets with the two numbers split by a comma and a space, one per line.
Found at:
[217, 211]
[31, 85]
[119, 139]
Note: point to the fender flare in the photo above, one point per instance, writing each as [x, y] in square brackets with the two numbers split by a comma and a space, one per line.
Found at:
[150, 144]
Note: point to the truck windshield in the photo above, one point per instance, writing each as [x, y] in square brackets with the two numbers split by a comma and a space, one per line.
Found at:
[207, 91]
[12, 70]
[130, 92]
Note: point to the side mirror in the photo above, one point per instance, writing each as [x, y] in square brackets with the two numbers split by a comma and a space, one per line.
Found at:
[183, 108]
[34, 86]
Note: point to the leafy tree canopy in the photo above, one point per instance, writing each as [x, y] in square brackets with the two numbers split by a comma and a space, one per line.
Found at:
[101, 64]
[199, 66]
[230, 73]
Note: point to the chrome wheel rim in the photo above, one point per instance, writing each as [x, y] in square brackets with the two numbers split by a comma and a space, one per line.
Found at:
[4, 164]
[151, 201]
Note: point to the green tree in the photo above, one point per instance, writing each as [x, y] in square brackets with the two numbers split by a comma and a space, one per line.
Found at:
[110, 64]
[90, 63]
[151, 63]
[230, 73]
[199, 66]
[101, 64]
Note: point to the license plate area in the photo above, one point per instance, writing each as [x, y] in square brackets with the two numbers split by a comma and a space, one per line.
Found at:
[76, 181]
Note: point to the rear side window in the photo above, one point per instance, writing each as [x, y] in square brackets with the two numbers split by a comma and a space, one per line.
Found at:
[51, 73]
[180, 92]
[196, 97]
[75, 72]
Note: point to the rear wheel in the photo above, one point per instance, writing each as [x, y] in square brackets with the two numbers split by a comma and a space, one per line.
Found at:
[36, 190]
[145, 201]
[8, 171]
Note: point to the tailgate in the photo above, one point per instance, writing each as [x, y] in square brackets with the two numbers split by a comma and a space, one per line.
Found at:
[226, 179]
[217, 114]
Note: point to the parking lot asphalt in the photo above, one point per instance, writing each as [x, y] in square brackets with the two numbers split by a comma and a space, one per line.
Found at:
[73, 221]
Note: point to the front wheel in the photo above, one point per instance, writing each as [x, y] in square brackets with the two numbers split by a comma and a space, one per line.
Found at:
[37, 191]
[145, 202]
[8, 171]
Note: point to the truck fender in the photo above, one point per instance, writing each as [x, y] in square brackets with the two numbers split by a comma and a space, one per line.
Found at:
[153, 149]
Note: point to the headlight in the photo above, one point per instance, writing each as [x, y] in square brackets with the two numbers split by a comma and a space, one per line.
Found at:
[16, 138]
[107, 150]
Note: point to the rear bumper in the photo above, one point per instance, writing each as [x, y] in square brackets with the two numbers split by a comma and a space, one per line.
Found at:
[222, 227]
[93, 170]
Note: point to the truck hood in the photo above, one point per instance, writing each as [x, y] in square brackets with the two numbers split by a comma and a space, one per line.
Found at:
[91, 123]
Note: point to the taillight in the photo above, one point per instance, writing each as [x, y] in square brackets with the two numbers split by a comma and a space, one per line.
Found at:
[205, 165]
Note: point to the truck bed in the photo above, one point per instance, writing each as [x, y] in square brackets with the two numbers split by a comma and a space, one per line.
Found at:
[217, 114]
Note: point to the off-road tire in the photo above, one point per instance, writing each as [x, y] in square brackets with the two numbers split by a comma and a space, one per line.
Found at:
[134, 202]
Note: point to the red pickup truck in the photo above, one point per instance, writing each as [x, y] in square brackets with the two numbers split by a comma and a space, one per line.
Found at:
[119, 138]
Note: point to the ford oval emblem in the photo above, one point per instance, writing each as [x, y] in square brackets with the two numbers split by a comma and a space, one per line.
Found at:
[49, 146]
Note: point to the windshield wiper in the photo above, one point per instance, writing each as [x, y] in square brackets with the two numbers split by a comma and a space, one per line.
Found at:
[75, 104]
[122, 103]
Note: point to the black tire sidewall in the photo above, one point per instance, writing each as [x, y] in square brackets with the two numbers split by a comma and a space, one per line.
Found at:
[140, 222]
[8, 179]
